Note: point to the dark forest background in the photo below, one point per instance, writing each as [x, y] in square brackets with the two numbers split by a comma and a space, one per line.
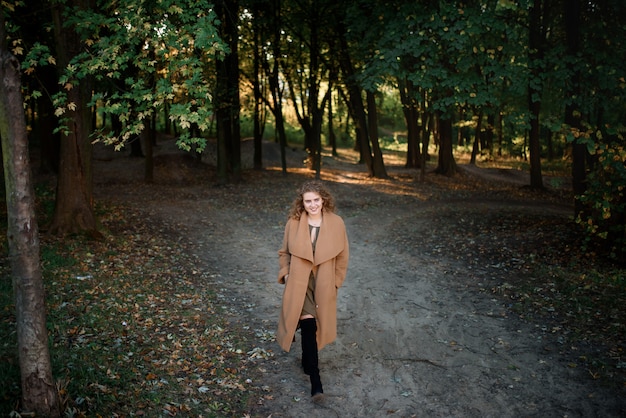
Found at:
[536, 84]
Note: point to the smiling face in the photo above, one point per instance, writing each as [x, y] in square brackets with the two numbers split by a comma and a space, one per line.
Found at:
[313, 204]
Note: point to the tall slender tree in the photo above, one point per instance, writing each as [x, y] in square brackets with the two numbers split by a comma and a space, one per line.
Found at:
[572, 10]
[306, 69]
[227, 103]
[536, 44]
[39, 392]
[372, 123]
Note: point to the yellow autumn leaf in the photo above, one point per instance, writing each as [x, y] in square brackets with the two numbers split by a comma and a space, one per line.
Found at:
[59, 111]
[68, 86]
[71, 106]
[51, 60]
[18, 50]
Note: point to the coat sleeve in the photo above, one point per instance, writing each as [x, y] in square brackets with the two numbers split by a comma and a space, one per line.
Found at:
[284, 257]
[341, 262]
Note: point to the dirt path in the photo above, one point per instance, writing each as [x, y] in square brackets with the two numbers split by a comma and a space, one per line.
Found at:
[417, 336]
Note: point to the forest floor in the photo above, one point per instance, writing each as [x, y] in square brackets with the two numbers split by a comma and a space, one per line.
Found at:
[454, 304]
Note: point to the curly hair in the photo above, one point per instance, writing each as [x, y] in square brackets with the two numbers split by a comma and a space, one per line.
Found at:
[314, 186]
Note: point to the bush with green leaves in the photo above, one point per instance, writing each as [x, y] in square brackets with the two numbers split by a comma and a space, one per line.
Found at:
[604, 216]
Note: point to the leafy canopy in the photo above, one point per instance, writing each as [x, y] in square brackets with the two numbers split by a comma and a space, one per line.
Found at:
[144, 55]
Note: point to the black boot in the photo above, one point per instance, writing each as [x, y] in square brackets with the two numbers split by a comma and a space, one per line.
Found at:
[308, 329]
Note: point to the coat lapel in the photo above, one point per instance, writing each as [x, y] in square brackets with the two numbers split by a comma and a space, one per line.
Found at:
[330, 241]
[300, 244]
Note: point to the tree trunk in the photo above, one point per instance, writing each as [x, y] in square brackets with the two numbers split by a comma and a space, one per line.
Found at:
[232, 60]
[258, 98]
[425, 130]
[572, 118]
[500, 133]
[47, 122]
[534, 94]
[414, 157]
[136, 150]
[227, 96]
[356, 104]
[424, 141]
[316, 110]
[476, 146]
[372, 122]
[277, 96]
[332, 139]
[489, 133]
[461, 131]
[73, 212]
[446, 164]
[411, 112]
[39, 393]
[360, 118]
[149, 138]
[317, 119]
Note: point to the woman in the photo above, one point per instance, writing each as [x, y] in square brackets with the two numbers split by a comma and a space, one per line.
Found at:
[313, 261]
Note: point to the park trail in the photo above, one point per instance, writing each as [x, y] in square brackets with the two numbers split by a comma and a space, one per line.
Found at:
[416, 335]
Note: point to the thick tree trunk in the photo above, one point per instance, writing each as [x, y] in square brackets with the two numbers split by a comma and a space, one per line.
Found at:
[73, 212]
[47, 122]
[414, 154]
[39, 393]
[446, 164]
[227, 96]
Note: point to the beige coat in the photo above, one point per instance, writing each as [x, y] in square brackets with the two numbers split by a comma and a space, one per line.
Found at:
[295, 258]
